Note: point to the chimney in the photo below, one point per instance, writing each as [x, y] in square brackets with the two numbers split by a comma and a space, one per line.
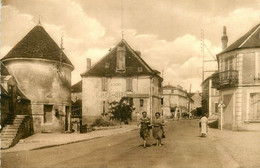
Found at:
[88, 64]
[138, 53]
[224, 38]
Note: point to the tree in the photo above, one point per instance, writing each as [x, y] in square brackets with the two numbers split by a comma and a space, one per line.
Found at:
[122, 110]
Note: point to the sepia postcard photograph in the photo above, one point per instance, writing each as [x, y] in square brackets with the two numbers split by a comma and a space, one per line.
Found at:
[130, 83]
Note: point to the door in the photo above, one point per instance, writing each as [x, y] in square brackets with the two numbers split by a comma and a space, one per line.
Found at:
[228, 112]
[66, 118]
[48, 113]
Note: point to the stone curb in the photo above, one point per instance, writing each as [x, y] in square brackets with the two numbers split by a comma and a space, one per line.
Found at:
[71, 142]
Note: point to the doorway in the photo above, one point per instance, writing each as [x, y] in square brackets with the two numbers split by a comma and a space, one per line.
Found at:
[228, 112]
[67, 108]
[48, 113]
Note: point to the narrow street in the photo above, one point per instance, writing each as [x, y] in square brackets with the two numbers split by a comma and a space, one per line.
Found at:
[182, 148]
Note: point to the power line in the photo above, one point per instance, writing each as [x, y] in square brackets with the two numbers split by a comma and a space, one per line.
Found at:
[122, 18]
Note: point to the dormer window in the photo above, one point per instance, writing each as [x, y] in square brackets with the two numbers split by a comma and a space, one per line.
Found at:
[121, 52]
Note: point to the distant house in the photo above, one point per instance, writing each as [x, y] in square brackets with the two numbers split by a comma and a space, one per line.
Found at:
[120, 73]
[76, 105]
[43, 73]
[175, 99]
[76, 92]
[197, 98]
[239, 81]
[210, 95]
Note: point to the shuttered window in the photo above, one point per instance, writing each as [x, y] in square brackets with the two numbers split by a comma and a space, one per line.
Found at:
[129, 84]
[254, 106]
[141, 102]
[104, 84]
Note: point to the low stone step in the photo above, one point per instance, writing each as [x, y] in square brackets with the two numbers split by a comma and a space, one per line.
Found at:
[8, 136]
[5, 146]
[15, 126]
[8, 133]
[21, 116]
[14, 122]
[6, 140]
[8, 130]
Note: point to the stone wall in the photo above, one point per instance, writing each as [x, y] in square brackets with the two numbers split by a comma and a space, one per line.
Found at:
[44, 84]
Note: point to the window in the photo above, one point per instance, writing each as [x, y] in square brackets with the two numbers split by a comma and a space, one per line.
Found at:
[129, 84]
[254, 106]
[141, 102]
[140, 69]
[230, 63]
[47, 113]
[104, 84]
[120, 58]
[107, 65]
[161, 101]
[226, 65]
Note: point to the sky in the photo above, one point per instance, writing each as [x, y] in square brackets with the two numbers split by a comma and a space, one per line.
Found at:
[167, 32]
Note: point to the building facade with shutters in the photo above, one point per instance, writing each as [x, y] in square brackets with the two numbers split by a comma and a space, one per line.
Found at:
[210, 95]
[120, 73]
[175, 99]
[43, 73]
[239, 81]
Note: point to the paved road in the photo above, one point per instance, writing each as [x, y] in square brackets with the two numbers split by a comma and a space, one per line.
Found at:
[182, 148]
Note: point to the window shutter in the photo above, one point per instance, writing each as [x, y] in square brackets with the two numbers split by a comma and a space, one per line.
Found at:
[104, 84]
[129, 84]
[257, 68]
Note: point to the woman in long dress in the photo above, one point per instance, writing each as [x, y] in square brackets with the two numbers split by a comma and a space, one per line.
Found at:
[203, 126]
[144, 130]
[158, 132]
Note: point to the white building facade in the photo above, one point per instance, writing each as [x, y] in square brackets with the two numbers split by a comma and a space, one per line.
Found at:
[120, 73]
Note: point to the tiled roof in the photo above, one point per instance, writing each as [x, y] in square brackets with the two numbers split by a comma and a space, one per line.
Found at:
[76, 88]
[250, 40]
[169, 87]
[190, 94]
[37, 44]
[107, 65]
[4, 70]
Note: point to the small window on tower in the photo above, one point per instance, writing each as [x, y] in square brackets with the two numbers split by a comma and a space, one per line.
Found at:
[107, 65]
[141, 102]
[140, 69]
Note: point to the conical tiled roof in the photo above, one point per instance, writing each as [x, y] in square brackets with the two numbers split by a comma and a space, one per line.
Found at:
[250, 40]
[37, 44]
[4, 70]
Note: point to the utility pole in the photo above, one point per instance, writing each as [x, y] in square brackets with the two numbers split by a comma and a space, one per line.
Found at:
[189, 99]
[122, 18]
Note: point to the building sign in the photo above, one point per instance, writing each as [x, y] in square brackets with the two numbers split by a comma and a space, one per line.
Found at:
[110, 95]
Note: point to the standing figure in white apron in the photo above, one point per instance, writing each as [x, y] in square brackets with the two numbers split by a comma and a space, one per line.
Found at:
[203, 126]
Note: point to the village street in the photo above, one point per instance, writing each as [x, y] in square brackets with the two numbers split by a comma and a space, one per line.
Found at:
[182, 148]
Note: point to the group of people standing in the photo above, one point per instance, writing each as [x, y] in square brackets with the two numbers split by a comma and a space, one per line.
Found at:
[156, 125]
[157, 128]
